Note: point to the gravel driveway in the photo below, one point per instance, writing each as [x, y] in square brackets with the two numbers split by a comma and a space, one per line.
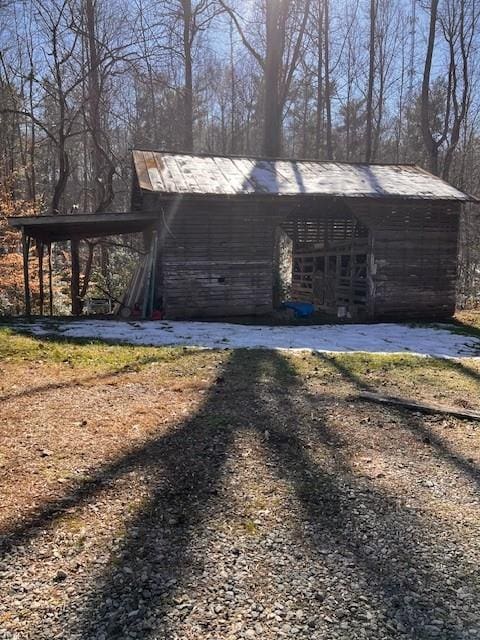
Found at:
[268, 505]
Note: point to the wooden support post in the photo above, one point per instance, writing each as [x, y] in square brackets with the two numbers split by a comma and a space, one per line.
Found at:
[50, 281]
[147, 243]
[41, 289]
[75, 278]
[351, 289]
[148, 282]
[26, 280]
[153, 284]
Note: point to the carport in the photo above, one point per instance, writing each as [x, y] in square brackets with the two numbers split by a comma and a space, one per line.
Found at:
[45, 230]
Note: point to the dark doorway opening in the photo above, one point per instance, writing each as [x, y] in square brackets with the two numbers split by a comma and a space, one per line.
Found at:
[329, 260]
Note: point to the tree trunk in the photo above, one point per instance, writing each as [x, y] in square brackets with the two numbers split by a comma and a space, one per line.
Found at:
[102, 164]
[371, 81]
[233, 97]
[460, 106]
[272, 143]
[63, 173]
[32, 146]
[188, 88]
[328, 96]
[93, 104]
[430, 144]
[320, 96]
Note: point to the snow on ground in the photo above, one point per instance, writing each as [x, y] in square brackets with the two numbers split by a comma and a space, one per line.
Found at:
[372, 338]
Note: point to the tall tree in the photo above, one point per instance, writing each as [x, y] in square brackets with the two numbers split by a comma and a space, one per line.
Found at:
[459, 23]
[285, 26]
[459, 27]
[328, 84]
[181, 23]
[431, 144]
[371, 82]
[320, 97]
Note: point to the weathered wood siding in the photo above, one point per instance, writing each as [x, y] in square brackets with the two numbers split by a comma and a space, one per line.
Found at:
[413, 264]
[216, 255]
[217, 260]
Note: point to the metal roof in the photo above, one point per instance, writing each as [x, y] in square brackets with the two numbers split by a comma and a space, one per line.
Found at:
[180, 173]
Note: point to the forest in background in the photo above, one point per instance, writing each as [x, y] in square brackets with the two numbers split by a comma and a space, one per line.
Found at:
[84, 81]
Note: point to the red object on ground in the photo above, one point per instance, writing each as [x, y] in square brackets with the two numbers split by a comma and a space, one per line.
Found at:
[136, 312]
[156, 315]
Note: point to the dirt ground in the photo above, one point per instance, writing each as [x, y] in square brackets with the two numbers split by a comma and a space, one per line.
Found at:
[172, 493]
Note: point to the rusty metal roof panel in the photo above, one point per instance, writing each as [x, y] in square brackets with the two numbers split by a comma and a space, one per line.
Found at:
[181, 173]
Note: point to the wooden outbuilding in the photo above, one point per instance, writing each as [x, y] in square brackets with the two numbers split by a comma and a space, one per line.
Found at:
[355, 240]
[366, 241]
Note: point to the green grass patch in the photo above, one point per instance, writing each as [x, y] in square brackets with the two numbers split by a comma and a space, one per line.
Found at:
[404, 372]
[250, 527]
[361, 363]
[83, 354]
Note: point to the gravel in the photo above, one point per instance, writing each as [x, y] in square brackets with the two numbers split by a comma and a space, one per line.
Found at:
[276, 509]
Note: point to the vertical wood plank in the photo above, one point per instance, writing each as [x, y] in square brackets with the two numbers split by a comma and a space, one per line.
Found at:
[26, 279]
[50, 280]
[40, 250]
[75, 278]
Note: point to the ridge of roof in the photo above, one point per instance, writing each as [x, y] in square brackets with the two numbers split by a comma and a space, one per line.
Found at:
[204, 154]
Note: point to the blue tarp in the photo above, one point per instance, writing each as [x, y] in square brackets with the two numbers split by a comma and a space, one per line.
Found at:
[302, 309]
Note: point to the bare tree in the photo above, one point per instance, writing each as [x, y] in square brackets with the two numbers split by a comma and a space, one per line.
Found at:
[278, 61]
[458, 25]
[180, 25]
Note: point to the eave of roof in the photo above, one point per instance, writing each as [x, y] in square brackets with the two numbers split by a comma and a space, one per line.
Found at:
[55, 228]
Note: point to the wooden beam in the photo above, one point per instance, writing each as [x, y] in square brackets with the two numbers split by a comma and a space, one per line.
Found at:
[26, 279]
[72, 219]
[75, 278]
[424, 407]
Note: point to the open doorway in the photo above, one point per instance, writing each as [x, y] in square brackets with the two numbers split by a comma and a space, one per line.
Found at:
[328, 253]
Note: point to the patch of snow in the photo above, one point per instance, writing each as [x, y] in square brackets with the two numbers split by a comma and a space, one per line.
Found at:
[372, 338]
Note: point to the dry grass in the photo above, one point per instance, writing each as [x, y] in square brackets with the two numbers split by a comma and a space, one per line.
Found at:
[469, 318]
[68, 410]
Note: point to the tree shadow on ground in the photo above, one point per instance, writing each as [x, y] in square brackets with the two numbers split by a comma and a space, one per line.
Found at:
[460, 367]
[183, 470]
[135, 365]
[261, 391]
[413, 422]
[347, 513]
[465, 328]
